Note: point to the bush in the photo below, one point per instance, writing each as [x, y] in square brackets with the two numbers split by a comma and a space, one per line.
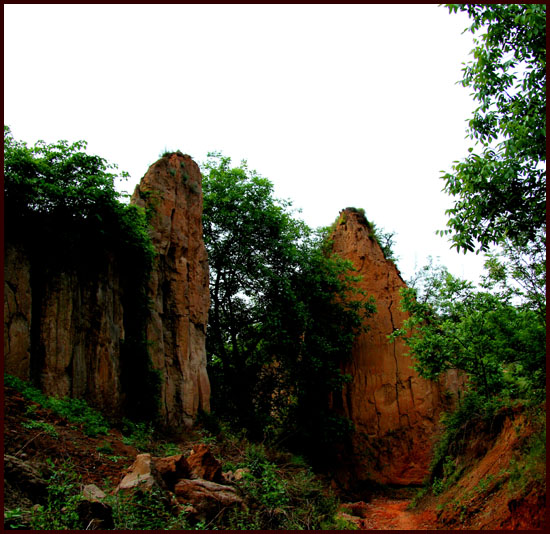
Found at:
[283, 497]
[60, 511]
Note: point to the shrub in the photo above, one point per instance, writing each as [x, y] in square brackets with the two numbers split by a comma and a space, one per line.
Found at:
[60, 510]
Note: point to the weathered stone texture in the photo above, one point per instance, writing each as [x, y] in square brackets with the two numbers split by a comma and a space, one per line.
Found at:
[64, 325]
[395, 411]
[179, 286]
[17, 312]
[62, 329]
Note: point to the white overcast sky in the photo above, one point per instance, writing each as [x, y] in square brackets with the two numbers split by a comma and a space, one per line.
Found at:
[338, 105]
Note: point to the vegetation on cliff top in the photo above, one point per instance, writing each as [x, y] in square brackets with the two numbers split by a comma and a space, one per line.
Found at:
[62, 207]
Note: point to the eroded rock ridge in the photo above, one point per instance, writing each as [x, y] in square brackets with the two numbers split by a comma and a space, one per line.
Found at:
[395, 411]
[176, 331]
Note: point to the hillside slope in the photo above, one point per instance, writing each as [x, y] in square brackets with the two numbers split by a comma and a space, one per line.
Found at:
[494, 477]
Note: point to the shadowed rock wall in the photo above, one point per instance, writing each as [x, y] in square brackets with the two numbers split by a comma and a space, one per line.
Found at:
[64, 322]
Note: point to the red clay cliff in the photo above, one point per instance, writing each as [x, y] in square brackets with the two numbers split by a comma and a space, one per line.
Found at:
[394, 410]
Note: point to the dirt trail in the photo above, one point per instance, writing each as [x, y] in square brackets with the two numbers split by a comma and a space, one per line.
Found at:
[383, 513]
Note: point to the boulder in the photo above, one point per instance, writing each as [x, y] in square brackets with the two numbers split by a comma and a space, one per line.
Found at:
[141, 474]
[172, 469]
[207, 498]
[92, 493]
[203, 464]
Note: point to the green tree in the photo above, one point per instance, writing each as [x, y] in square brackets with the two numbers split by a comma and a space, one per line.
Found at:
[62, 207]
[500, 187]
[452, 325]
[281, 319]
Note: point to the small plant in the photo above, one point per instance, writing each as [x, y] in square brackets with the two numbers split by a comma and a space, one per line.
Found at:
[60, 511]
[167, 449]
[146, 510]
[13, 519]
[105, 448]
[418, 497]
[45, 427]
[529, 465]
[114, 457]
[438, 486]
[140, 435]
[278, 499]
[484, 484]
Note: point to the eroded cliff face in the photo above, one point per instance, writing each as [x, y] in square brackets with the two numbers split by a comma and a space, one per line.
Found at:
[63, 327]
[17, 311]
[395, 412]
[66, 319]
[176, 331]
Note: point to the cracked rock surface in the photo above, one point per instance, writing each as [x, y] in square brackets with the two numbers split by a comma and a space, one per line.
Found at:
[394, 410]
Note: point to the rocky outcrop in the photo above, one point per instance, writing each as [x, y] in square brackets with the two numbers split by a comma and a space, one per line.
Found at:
[70, 322]
[176, 331]
[200, 497]
[395, 412]
[63, 328]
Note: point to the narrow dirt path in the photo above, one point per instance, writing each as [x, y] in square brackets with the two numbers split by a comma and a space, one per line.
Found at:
[384, 513]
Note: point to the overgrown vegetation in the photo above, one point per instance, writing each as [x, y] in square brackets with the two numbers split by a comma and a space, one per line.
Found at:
[495, 334]
[62, 208]
[284, 312]
[279, 490]
[500, 187]
[74, 410]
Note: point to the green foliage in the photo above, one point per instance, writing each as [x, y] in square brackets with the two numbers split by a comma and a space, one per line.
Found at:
[386, 242]
[146, 510]
[530, 464]
[499, 346]
[60, 511]
[43, 426]
[105, 448]
[283, 313]
[519, 275]
[281, 499]
[497, 341]
[74, 410]
[501, 191]
[420, 494]
[14, 519]
[61, 205]
[140, 435]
